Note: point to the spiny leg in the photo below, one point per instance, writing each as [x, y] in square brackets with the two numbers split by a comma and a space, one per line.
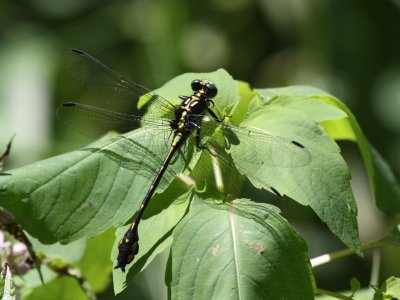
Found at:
[198, 139]
[212, 114]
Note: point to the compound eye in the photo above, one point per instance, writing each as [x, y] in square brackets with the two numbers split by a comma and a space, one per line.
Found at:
[211, 90]
[196, 85]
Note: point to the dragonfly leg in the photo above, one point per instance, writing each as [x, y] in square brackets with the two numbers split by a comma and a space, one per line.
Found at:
[128, 247]
[215, 116]
[198, 138]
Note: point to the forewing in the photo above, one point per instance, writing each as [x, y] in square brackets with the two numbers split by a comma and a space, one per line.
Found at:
[143, 152]
[120, 93]
[94, 122]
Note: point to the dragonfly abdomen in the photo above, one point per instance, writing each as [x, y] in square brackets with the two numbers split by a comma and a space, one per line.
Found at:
[187, 119]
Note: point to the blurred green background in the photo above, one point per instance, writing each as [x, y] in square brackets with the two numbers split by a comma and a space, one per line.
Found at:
[348, 48]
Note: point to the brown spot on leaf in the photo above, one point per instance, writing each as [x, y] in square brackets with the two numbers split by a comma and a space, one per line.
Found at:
[215, 249]
[258, 247]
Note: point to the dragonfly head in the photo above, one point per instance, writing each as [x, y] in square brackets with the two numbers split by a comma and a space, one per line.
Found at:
[205, 86]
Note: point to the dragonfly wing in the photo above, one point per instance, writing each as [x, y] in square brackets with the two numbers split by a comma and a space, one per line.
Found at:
[112, 88]
[142, 151]
[95, 122]
[261, 148]
[254, 153]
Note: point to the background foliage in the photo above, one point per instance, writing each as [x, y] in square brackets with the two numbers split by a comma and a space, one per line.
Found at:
[347, 48]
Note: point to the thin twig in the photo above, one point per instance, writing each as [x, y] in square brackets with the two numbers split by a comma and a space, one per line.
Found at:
[325, 258]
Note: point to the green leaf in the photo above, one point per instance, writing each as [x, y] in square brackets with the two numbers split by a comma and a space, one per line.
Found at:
[390, 289]
[384, 184]
[63, 288]
[85, 192]
[317, 105]
[238, 250]
[154, 231]
[312, 106]
[294, 90]
[355, 285]
[323, 183]
[242, 107]
[66, 254]
[387, 187]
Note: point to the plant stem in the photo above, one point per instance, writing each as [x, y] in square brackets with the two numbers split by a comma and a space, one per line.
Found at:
[376, 263]
[325, 258]
[333, 294]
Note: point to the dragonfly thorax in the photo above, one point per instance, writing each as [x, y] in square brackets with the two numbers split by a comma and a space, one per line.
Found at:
[189, 113]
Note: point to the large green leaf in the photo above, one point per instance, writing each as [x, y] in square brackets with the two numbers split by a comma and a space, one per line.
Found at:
[238, 250]
[85, 192]
[384, 183]
[323, 183]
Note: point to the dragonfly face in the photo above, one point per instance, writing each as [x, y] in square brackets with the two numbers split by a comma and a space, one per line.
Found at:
[206, 87]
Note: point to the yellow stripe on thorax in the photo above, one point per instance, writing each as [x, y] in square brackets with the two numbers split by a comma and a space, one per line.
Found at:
[188, 106]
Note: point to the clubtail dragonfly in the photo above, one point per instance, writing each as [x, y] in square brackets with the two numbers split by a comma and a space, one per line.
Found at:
[184, 123]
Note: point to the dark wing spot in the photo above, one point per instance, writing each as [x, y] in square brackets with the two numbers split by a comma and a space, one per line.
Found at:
[77, 51]
[298, 144]
[68, 104]
[275, 191]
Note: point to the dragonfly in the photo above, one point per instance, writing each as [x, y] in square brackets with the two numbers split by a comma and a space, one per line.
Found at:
[190, 119]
